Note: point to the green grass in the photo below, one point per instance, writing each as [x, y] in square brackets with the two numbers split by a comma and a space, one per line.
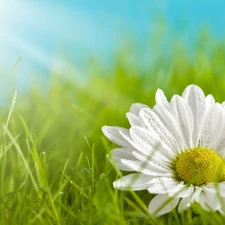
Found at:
[53, 165]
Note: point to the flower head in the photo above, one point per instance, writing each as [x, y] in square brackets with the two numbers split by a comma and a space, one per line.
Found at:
[177, 150]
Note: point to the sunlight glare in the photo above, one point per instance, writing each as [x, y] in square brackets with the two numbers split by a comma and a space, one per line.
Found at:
[5, 12]
[7, 15]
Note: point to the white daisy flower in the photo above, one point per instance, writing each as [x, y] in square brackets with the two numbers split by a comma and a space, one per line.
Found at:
[177, 150]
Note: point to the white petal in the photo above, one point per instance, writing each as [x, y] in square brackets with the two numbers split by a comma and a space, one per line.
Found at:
[209, 101]
[221, 189]
[114, 135]
[218, 187]
[196, 100]
[122, 153]
[156, 158]
[161, 99]
[196, 195]
[219, 144]
[144, 168]
[149, 142]
[209, 199]
[162, 204]
[186, 202]
[153, 122]
[145, 147]
[171, 124]
[183, 115]
[223, 104]
[134, 120]
[117, 154]
[153, 164]
[183, 192]
[133, 182]
[212, 126]
[136, 107]
[164, 185]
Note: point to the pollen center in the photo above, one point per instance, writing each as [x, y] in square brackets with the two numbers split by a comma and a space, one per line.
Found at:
[199, 166]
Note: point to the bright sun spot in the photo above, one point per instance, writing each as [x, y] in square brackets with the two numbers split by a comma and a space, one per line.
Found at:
[6, 13]
[20, 21]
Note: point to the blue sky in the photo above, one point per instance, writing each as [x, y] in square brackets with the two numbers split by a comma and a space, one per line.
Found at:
[40, 30]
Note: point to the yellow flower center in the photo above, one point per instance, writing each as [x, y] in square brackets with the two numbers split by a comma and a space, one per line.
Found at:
[200, 166]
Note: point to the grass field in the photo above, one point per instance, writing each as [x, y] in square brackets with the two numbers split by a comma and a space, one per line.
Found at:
[53, 166]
